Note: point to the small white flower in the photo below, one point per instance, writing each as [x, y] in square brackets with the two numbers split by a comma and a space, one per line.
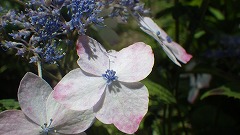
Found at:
[41, 114]
[173, 50]
[109, 82]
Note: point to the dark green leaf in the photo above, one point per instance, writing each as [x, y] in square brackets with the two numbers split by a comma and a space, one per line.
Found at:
[216, 13]
[224, 91]
[157, 90]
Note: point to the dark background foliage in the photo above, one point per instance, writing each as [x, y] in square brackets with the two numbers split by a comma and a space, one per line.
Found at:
[207, 29]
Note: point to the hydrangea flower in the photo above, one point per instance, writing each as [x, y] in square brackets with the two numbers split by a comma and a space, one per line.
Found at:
[38, 29]
[173, 50]
[83, 13]
[124, 8]
[46, 22]
[109, 82]
[41, 114]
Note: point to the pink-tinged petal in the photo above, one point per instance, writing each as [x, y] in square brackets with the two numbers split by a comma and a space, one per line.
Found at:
[147, 24]
[170, 55]
[68, 121]
[152, 29]
[172, 49]
[93, 57]
[14, 122]
[32, 95]
[79, 90]
[179, 52]
[125, 105]
[133, 63]
[197, 83]
[192, 95]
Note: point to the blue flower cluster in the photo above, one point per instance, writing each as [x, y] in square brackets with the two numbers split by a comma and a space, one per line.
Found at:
[46, 26]
[36, 28]
[122, 8]
[42, 24]
[45, 23]
[83, 13]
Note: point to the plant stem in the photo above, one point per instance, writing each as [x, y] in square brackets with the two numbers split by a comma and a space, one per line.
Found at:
[39, 66]
[50, 75]
[176, 24]
[169, 132]
[20, 3]
[195, 24]
[164, 119]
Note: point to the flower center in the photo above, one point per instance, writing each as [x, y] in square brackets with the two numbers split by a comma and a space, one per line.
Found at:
[110, 76]
[46, 128]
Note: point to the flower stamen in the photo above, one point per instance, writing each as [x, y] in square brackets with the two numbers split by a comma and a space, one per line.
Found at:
[46, 128]
[110, 76]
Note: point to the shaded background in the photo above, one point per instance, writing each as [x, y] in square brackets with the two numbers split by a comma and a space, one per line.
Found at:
[207, 29]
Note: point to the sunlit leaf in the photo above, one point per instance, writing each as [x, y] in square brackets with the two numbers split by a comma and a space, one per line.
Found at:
[224, 91]
[6, 104]
[194, 3]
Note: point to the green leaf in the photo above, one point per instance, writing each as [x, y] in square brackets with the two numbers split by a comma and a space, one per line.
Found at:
[194, 3]
[216, 13]
[156, 90]
[6, 104]
[224, 91]
[199, 34]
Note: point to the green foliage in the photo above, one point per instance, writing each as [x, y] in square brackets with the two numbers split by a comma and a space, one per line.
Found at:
[217, 13]
[222, 91]
[159, 93]
[7, 104]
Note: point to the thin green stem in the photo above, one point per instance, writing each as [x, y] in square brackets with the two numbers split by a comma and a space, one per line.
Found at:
[20, 3]
[39, 66]
[176, 74]
[169, 119]
[51, 76]
[181, 119]
[194, 24]
[176, 24]
[164, 119]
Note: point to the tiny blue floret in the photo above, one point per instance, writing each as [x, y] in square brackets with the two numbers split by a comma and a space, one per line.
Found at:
[169, 40]
[110, 76]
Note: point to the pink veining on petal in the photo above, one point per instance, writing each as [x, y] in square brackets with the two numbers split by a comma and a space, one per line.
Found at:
[83, 47]
[129, 127]
[60, 91]
[79, 46]
[29, 109]
[137, 119]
